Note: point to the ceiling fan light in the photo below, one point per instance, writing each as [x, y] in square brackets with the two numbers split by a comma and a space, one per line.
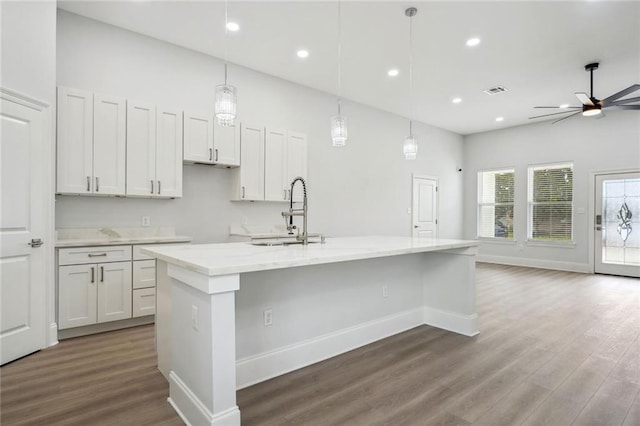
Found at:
[590, 111]
[410, 148]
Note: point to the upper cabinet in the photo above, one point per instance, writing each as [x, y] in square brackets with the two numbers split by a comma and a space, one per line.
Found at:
[271, 159]
[91, 149]
[206, 142]
[154, 151]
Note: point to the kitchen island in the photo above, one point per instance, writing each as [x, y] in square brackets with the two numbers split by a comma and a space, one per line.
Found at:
[231, 315]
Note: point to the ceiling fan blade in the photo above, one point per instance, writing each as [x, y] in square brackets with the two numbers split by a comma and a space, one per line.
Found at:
[584, 98]
[564, 118]
[625, 101]
[622, 93]
[554, 113]
[557, 107]
[629, 107]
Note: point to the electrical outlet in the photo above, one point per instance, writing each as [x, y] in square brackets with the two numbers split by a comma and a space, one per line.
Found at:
[146, 220]
[267, 316]
[385, 291]
[195, 321]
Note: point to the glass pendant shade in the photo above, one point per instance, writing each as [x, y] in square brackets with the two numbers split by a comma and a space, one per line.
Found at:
[339, 130]
[225, 104]
[410, 148]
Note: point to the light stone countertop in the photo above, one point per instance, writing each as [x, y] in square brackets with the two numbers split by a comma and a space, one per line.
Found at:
[234, 258]
[84, 237]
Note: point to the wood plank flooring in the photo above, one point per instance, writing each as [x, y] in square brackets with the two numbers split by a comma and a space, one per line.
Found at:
[555, 348]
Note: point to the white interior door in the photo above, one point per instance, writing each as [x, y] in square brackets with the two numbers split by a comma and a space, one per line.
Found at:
[425, 207]
[22, 223]
[617, 224]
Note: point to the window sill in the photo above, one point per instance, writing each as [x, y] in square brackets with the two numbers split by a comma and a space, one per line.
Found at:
[556, 244]
[497, 240]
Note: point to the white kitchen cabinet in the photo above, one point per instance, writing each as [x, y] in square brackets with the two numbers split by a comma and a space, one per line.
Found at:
[93, 293]
[154, 151]
[249, 184]
[91, 144]
[207, 142]
[285, 159]
[276, 183]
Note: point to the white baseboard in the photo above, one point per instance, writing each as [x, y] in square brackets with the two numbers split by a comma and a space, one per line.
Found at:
[192, 411]
[535, 263]
[452, 321]
[267, 365]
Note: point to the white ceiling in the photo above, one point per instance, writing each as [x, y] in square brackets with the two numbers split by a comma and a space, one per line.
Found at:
[536, 49]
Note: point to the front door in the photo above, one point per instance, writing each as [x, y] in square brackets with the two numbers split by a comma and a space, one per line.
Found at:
[425, 207]
[617, 224]
[22, 224]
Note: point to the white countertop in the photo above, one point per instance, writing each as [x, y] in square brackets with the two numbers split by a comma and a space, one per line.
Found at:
[84, 237]
[234, 258]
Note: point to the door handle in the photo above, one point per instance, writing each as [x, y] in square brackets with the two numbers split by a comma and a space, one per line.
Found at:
[416, 226]
[598, 228]
[36, 242]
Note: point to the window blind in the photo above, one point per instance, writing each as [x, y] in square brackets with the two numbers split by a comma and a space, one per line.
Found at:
[551, 202]
[495, 203]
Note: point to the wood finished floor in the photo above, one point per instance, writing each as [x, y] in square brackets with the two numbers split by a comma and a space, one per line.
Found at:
[555, 348]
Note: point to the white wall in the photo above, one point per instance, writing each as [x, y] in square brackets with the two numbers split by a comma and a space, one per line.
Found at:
[593, 145]
[364, 188]
[28, 40]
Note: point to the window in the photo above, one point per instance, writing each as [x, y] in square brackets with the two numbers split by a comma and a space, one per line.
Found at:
[551, 202]
[495, 203]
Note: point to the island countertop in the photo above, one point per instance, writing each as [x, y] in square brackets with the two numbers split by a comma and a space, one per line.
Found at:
[235, 258]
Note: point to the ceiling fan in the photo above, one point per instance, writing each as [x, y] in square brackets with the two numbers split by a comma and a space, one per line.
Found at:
[591, 106]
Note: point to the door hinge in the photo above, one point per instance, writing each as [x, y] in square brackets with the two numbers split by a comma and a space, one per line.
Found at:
[436, 221]
[436, 189]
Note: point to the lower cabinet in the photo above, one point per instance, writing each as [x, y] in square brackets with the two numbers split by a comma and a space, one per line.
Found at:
[93, 293]
[104, 283]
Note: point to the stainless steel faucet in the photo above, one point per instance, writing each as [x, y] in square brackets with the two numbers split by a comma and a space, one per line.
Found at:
[304, 238]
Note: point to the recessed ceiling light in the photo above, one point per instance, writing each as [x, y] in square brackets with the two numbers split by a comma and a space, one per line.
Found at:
[233, 26]
[564, 106]
[473, 42]
[302, 53]
[393, 72]
[456, 100]
[499, 119]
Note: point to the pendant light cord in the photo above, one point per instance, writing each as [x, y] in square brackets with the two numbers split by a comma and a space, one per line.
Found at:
[226, 40]
[411, 74]
[339, 57]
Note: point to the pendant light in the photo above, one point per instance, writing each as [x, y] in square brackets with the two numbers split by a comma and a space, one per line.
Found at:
[410, 145]
[226, 95]
[339, 121]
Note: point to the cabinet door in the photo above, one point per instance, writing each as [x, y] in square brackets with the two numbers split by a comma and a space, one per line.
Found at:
[169, 153]
[77, 292]
[114, 291]
[109, 145]
[141, 149]
[198, 138]
[144, 302]
[296, 159]
[75, 141]
[252, 160]
[275, 165]
[226, 144]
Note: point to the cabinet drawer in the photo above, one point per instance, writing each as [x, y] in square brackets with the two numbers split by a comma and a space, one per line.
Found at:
[144, 302]
[144, 273]
[83, 255]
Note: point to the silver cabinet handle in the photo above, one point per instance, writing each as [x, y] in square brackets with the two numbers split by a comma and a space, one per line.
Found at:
[102, 274]
[93, 274]
[152, 187]
[285, 194]
[88, 183]
[36, 242]
[97, 184]
[243, 192]
[216, 154]
[210, 154]
[159, 188]
[97, 254]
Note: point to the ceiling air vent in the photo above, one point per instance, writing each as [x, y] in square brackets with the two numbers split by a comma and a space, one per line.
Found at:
[495, 90]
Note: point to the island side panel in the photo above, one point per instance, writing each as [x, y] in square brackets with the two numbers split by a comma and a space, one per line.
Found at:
[163, 318]
[450, 290]
[203, 377]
